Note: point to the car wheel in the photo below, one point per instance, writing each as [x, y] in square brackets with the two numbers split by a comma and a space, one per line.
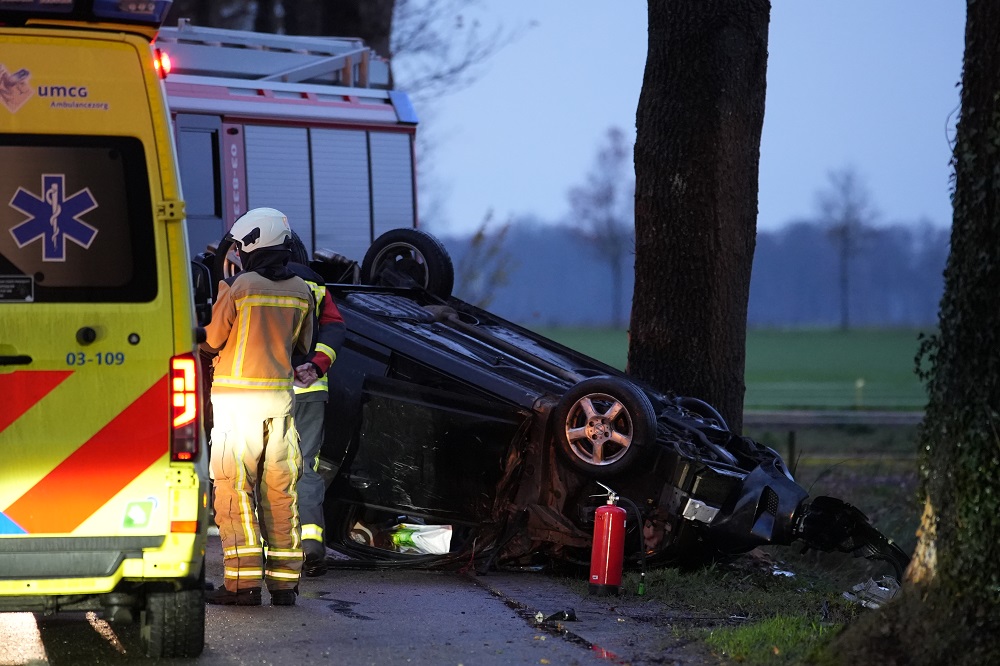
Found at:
[603, 425]
[407, 257]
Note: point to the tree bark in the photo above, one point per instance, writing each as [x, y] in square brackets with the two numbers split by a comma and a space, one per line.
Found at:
[960, 436]
[699, 121]
[949, 611]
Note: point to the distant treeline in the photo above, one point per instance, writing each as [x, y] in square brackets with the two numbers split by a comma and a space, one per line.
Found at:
[554, 277]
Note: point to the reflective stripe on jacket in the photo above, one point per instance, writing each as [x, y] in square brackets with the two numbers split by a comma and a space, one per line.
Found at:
[257, 325]
[329, 333]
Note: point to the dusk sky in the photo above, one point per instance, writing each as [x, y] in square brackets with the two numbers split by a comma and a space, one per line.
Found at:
[860, 84]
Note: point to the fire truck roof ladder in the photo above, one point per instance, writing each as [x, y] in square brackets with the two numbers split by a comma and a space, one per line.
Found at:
[340, 61]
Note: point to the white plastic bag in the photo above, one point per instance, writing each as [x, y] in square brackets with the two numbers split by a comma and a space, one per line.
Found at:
[423, 539]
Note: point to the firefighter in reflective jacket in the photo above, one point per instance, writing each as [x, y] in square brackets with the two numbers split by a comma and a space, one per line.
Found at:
[311, 394]
[261, 318]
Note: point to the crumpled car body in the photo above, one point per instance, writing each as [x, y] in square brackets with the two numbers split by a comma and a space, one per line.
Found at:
[446, 418]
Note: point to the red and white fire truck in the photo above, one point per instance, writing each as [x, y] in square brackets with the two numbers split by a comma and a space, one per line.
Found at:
[308, 125]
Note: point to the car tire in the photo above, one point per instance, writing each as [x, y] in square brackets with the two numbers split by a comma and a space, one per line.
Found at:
[172, 624]
[603, 425]
[409, 257]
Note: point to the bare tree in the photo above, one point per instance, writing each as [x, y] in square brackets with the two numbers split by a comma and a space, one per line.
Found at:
[846, 211]
[435, 46]
[697, 154]
[603, 211]
[487, 264]
[441, 46]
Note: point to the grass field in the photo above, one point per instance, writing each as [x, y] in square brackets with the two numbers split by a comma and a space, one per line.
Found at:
[822, 369]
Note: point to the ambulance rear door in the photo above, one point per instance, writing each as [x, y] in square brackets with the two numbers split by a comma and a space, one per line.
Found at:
[87, 308]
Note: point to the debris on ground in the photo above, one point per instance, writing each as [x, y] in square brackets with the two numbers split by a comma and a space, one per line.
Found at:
[874, 594]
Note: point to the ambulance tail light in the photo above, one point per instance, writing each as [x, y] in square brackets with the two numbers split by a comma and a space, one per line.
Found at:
[183, 408]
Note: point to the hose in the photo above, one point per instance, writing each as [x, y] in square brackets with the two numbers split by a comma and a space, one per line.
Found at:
[642, 546]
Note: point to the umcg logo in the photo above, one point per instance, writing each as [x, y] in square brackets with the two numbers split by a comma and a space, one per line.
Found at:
[62, 91]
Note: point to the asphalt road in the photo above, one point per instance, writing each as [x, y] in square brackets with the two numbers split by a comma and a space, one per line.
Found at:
[352, 616]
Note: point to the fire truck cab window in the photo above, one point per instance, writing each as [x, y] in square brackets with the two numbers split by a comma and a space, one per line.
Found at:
[198, 156]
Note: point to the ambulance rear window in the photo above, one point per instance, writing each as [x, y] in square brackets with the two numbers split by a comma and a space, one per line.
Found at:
[76, 221]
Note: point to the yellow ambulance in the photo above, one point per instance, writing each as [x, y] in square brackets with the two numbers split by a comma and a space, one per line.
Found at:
[103, 469]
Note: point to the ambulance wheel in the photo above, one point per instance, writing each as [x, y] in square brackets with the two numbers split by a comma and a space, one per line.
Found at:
[407, 258]
[602, 426]
[173, 622]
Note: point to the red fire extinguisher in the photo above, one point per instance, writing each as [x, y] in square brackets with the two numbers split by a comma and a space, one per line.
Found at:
[608, 552]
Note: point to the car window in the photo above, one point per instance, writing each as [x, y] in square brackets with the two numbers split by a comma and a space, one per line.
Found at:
[75, 220]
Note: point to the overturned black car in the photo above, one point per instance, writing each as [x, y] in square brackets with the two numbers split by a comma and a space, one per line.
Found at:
[456, 437]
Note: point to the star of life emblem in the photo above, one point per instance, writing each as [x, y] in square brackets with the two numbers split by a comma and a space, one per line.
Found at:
[53, 217]
[14, 88]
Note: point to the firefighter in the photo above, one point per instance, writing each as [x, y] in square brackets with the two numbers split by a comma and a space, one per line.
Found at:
[261, 318]
[311, 395]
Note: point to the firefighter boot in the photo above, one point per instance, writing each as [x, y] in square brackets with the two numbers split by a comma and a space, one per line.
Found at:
[284, 597]
[315, 564]
[223, 597]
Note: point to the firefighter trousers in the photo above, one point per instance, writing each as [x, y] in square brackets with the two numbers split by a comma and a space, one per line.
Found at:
[309, 416]
[256, 464]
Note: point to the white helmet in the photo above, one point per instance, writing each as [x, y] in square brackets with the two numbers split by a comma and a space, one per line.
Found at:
[261, 227]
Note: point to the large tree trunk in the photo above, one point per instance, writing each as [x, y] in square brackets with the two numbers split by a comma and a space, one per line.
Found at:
[697, 152]
[949, 612]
